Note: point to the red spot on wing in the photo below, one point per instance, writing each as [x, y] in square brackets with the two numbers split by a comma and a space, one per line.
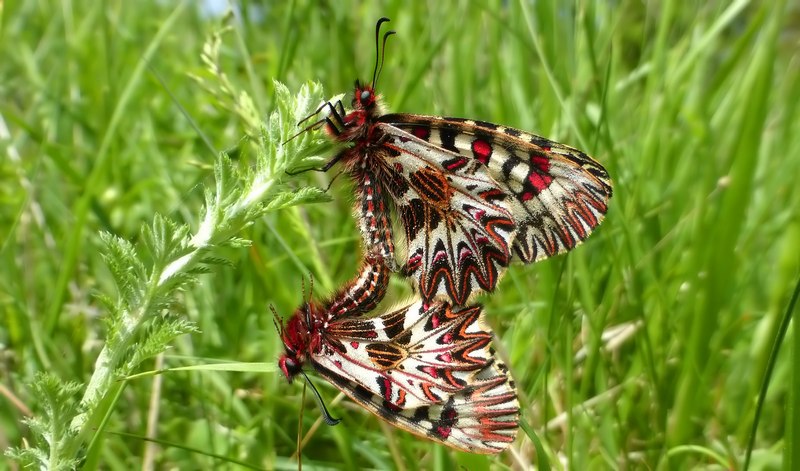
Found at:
[447, 338]
[540, 177]
[455, 164]
[414, 262]
[431, 371]
[482, 150]
[354, 344]
[541, 162]
[421, 132]
[443, 432]
[540, 182]
[387, 389]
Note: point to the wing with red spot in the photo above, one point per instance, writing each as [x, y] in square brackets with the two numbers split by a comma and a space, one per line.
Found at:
[429, 371]
[557, 194]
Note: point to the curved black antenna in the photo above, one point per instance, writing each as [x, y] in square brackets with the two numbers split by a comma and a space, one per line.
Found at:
[382, 20]
[383, 57]
[326, 416]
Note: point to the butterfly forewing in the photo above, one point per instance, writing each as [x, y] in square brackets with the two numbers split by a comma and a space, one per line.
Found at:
[557, 194]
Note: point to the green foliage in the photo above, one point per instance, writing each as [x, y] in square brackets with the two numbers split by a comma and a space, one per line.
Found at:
[50, 430]
[125, 233]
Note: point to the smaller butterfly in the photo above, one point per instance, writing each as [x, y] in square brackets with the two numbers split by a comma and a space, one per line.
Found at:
[428, 369]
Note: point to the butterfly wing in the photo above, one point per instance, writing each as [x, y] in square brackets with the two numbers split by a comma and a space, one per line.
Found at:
[429, 371]
[457, 222]
[558, 194]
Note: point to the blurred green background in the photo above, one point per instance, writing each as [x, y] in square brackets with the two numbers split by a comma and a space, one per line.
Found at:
[644, 348]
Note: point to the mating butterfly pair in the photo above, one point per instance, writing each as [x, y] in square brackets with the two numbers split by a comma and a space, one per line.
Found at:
[471, 195]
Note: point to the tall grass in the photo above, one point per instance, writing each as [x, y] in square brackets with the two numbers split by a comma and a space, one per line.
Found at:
[109, 117]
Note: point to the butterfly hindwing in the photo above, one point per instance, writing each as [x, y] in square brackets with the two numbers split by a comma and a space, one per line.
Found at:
[457, 220]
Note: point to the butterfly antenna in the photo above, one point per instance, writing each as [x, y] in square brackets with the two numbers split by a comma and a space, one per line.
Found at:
[383, 56]
[326, 416]
[276, 319]
[378, 61]
[311, 286]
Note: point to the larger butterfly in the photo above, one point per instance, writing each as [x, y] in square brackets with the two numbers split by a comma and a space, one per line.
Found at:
[428, 369]
[471, 195]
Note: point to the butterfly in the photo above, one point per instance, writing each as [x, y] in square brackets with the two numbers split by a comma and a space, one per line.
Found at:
[471, 196]
[428, 369]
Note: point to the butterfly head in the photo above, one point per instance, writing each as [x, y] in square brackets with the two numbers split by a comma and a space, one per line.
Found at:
[364, 98]
[289, 365]
[295, 337]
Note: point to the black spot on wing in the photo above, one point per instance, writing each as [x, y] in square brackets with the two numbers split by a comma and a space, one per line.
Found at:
[508, 166]
[448, 138]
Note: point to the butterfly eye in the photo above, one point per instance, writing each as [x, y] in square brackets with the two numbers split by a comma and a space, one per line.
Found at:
[365, 96]
[289, 366]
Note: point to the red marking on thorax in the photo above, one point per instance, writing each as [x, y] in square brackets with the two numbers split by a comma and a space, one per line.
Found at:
[295, 334]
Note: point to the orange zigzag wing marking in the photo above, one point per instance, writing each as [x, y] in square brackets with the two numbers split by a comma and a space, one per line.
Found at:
[428, 369]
